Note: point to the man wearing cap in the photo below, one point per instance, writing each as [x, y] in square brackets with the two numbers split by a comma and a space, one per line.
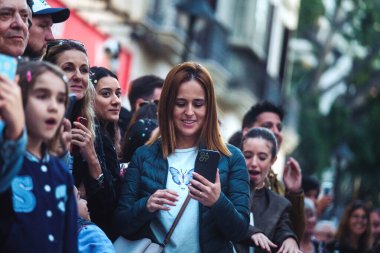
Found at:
[44, 16]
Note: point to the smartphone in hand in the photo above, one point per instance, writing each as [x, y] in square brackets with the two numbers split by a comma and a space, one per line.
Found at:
[74, 149]
[8, 66]
[206, 164]
[82, 120]
[326, 189]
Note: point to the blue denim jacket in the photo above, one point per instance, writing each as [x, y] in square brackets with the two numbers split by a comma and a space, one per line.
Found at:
[91, 239]
[11, 157]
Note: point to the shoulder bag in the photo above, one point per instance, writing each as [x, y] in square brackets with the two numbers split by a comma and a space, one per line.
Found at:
[145, 245]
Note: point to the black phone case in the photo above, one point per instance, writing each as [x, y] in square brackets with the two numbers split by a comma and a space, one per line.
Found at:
[206, 164]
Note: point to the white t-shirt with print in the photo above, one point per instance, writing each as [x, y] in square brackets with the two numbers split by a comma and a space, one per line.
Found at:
[185, 237]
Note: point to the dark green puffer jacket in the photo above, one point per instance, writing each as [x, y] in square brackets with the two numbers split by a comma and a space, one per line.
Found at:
[226, 221]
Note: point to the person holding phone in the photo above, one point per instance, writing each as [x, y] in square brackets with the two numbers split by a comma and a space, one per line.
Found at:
[320, 195]
[12, 130]
[90, 171]
[160, 175]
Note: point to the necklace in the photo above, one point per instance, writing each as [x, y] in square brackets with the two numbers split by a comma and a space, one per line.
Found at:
[260, 187]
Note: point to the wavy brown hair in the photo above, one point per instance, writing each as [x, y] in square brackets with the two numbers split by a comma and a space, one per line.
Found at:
[343, 233]
[210, 135]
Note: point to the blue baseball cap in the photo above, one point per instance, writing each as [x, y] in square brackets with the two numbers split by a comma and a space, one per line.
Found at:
[58, 15]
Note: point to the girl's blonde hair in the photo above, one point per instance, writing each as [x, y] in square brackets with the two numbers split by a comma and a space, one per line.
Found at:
[53, 52]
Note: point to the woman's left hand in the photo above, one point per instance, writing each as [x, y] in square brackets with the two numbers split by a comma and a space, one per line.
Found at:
[289, 246]
[203, 190]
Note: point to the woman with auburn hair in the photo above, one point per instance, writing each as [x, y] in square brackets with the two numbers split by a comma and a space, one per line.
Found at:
[354, 230]
[160, 175]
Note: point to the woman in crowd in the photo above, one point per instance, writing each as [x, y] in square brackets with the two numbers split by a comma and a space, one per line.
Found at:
[107, 105]
[325, 231]
[354, 230]
[270, 224]
[93, 178]
[308, 243]
[152, 195]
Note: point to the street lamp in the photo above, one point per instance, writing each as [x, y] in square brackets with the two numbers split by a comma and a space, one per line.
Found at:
[194, 9]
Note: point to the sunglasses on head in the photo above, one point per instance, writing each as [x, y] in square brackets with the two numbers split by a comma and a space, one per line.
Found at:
[146, 102]
[60, 42]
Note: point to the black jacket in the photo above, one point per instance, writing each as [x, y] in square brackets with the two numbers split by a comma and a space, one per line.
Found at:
[271, 217]
[344, 247]
[102, 199]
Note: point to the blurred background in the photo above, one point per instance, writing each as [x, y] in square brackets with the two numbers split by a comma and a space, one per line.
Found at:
[318, 58]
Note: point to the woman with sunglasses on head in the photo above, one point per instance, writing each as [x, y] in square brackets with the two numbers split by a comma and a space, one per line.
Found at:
[160, 175]
[93, 178]
[353, 235]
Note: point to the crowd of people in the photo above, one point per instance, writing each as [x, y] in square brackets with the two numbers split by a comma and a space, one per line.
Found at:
[78, 171]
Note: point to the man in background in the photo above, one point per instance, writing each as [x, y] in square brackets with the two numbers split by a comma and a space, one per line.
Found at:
[40, 32]
[144, 89]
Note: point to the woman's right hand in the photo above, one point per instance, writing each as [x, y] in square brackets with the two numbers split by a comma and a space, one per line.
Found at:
[263, 242]
[82, 137]
[160, 199]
